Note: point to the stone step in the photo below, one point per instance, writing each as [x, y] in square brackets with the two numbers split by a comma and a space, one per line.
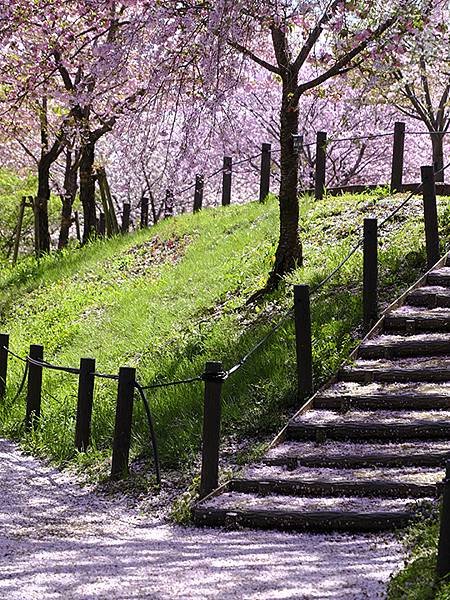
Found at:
[392, 346]
[439, 277]
[412, 319]
[344, 396]
[321, 425]
[338, 455]
[398, 370]
[236, 510]
[430, 296]
[412, 482]
[372, 443]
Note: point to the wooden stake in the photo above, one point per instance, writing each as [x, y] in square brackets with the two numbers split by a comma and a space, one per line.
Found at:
[124, 417]
[214, 379]
[303, 340]
[23, 203]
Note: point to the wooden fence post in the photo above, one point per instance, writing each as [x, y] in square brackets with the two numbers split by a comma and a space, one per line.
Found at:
[144, 212]
[214, 379]
[18, 235]
[112, 226]
[84, 406]
[370, 273]
[226, 180]
[168, 205]
[126, 218]
[303, 340]
[4, 345]
[321, 158]
[443, 557]
[198, 194]
[266, 159]
[37, 225]
[34, 392]
[102, 225]
[430, 215]
[77, 225]
[122, 428]
[398, 154]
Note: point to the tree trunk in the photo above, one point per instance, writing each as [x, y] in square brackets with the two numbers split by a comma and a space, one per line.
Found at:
[70, 191]
[42, 244]
[437, 142]
[87, 191]
[289, 252]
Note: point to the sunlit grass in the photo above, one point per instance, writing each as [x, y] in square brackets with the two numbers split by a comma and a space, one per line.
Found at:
[187, 305]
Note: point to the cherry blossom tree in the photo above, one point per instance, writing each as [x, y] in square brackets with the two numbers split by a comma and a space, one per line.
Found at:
[414, 75]
[78, 67]
[285, 38]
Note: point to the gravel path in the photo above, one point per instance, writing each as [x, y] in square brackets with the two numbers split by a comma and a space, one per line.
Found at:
[58, 540]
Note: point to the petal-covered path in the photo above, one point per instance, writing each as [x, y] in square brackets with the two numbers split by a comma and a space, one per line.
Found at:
[59, 540]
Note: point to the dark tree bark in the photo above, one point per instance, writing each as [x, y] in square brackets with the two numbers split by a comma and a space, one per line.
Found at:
[89, 135]
[68, 198]
[87, 190]
[289, 252]
[42, 243]
[288, 67]
[437, 142]
[48, 156]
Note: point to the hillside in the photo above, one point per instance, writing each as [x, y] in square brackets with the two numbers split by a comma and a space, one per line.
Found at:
[171, 297]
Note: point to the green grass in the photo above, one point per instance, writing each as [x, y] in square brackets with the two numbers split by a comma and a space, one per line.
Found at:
[172, 297]
[417, 581]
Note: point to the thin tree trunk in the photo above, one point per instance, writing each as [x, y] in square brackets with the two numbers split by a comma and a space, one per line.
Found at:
[70, 191]
[289, 251]
[437, 142]
[87, 191]
[42, 199]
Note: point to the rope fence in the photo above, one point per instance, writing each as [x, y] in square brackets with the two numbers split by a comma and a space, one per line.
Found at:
[321, 140]
[215, 375]
[33, 370]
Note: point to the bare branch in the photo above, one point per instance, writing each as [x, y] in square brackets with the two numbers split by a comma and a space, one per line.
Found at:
[249, 54]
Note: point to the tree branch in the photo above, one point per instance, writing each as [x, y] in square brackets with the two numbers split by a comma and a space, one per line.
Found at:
[314, 36]
[344, 61]
[249, 54]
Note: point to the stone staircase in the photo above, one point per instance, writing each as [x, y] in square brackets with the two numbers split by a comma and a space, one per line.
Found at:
[371, 446]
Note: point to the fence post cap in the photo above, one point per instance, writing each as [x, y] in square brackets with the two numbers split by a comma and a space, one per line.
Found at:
[213, 367]
[301, 291]
[214, 372]
[87, 360]
[127, 370]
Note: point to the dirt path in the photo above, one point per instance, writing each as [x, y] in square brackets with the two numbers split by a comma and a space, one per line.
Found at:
[58, 540]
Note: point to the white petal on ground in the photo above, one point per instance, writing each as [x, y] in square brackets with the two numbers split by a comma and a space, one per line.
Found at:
[58, 540]
[379, 417]
[416, 475]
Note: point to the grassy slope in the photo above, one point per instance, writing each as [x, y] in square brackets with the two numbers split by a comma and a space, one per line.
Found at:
[417, 580]
[170, 298]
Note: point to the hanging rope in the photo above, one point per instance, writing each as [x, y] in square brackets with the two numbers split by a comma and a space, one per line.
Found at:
[152, 431]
